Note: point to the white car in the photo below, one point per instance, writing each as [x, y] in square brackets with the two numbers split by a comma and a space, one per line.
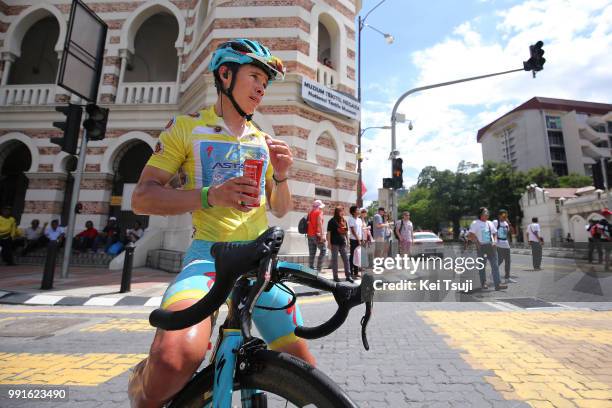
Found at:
[427, 244]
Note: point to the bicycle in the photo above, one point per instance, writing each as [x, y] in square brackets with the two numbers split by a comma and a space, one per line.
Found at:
[242, 362]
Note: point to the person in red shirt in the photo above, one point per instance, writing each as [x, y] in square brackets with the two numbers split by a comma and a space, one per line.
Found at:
[85, 239]
[315, 234]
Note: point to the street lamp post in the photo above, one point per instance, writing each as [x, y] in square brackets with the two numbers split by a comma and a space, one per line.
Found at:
[394, 119]
[389, 39]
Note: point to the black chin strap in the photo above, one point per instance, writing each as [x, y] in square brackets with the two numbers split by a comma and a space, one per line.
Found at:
[229, 95]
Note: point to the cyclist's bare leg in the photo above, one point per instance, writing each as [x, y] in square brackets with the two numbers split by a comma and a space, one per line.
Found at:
[299, 349]
[173, 358]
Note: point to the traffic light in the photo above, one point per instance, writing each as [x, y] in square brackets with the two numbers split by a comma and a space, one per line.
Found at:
[536, 60]
[95, 124]
[71, 128]
[397, 173]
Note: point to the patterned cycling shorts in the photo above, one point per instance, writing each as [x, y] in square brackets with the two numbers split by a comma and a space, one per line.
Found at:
[197, 277]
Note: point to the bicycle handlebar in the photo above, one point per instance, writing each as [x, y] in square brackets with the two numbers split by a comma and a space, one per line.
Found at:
[229, 257]
[233, 257]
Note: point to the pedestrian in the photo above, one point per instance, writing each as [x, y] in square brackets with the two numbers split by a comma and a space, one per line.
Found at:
[606, 236]
[315, 235]
[355, 237]
[85, 239]
[368, 239]
[594, 234]
[110, 235]
[504, 234]
[337, 234]
[483, 233]
[534, 236]
[134, 234]
[8, 232]
[379, 233]
[54, 232]
[34, 237]
[404, 232]
[388, 236]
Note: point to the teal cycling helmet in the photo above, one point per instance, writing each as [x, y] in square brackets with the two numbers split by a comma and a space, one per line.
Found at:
[241, 51]
[244, 51]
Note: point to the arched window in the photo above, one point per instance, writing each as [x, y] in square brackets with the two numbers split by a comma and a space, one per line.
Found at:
[326, 151]
[15, 160]
[328, 51]
[155, 56]
[38, 62]
[201, 17]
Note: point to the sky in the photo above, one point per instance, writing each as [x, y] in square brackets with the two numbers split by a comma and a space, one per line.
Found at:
[444, 40]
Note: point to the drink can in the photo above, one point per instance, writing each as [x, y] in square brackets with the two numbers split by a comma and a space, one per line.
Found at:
[252, 169]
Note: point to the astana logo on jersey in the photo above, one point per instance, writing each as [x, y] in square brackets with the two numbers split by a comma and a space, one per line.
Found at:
[220, 160]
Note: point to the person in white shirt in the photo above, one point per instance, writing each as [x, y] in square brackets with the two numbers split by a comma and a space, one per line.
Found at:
[54, 232]
[34, 237]
[355, 237]
[503, 245]
[483, 233]
[405, 233]
[535, 241]
[133, 235]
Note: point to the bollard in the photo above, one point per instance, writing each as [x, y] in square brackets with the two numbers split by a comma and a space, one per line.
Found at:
[126, 275]
[49, 271]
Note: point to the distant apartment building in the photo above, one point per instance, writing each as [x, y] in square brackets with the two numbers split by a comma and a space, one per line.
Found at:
[565, 135]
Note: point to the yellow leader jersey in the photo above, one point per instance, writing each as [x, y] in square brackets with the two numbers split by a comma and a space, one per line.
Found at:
[202, 146]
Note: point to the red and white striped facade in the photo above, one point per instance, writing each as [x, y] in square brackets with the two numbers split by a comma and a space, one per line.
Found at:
[324, 144]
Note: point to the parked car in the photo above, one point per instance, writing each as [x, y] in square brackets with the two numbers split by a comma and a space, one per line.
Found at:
[426, 243]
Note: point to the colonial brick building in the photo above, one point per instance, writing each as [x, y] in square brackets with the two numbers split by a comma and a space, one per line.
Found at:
[155, 63]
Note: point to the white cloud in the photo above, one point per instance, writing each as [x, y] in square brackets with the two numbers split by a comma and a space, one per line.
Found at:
[578, 40]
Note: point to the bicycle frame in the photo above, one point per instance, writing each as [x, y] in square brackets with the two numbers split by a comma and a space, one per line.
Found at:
[230, 347]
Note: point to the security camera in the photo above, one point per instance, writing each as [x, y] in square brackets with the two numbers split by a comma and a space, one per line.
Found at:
[410, 125]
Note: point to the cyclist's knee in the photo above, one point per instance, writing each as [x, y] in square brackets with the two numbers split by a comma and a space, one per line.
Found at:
[176, 354]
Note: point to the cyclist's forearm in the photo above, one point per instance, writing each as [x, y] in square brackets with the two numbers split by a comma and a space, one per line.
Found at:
[154, 199]
[280, 199]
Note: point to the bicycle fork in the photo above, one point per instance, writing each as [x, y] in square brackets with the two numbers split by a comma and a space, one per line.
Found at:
[226, 362]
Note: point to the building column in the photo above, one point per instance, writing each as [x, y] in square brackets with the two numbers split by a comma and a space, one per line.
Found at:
[95, 195]
[9, 58]
[44, 198]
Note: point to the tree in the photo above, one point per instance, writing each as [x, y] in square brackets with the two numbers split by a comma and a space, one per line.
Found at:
[543, 177]
[575, 180]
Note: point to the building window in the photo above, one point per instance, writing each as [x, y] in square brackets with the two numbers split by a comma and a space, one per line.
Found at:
[557, 154]
[560, 169]
[602, 144]
[324, 192]
[599, 128]
[555, 138]
[610, 127]
[588, 170]
[553, 122]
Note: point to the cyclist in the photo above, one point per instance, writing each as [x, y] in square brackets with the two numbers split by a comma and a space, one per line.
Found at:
[211, 147]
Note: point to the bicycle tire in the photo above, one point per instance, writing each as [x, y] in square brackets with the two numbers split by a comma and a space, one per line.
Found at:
[279, 374]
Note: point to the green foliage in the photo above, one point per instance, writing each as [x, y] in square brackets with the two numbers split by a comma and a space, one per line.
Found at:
[440, 197]
[575, 180]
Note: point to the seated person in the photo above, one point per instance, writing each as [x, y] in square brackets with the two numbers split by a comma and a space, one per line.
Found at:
[133, 235]
[86, 239]
[110, 234]
[54, 232]
[34, 237]
[8, 233]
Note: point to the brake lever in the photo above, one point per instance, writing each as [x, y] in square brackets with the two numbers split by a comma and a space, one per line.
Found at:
[364, 324]
[367, 297]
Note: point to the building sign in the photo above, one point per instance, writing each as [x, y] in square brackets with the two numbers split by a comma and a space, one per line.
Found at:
[323, 98]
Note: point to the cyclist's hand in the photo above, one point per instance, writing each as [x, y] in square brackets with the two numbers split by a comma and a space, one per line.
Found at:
[233, 194]
[280, 156]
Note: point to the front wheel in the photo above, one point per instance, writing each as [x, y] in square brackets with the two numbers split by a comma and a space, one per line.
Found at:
[286, 380]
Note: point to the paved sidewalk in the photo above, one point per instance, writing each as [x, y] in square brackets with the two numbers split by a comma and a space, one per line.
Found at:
[94, 287]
